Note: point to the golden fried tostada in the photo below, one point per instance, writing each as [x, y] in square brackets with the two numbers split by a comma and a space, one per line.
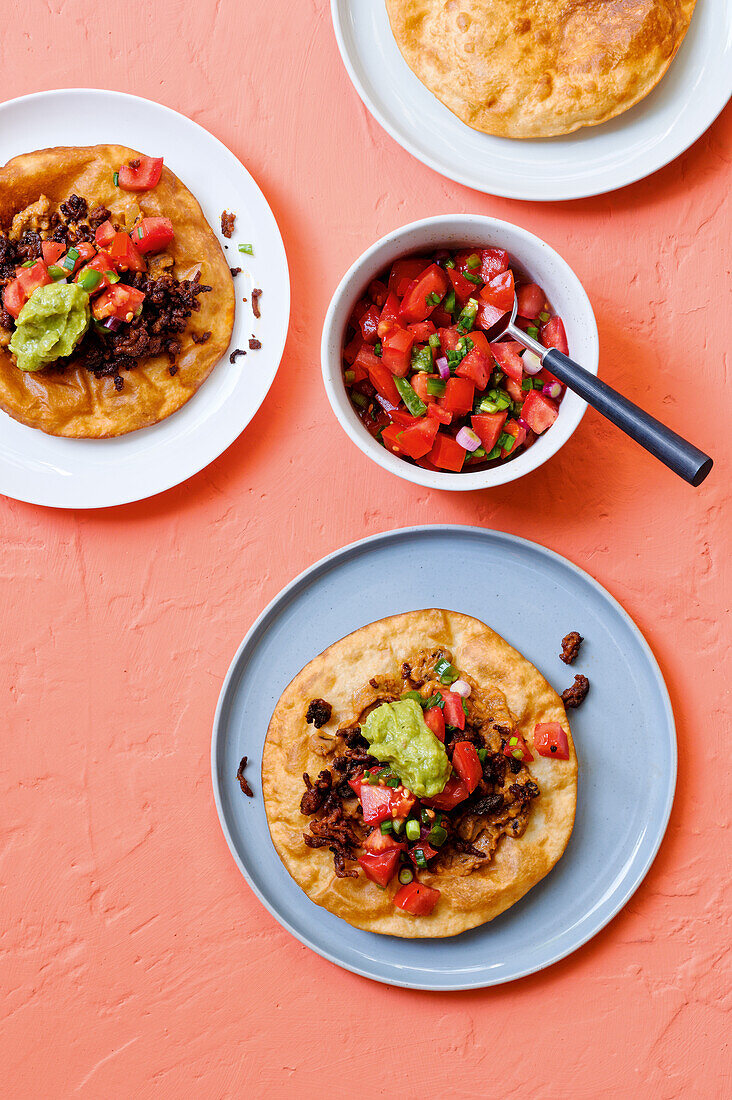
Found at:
[391, 710]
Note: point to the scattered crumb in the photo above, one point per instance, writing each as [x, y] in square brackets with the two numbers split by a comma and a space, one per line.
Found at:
[256, 295]
[227, 223]
[235, 354]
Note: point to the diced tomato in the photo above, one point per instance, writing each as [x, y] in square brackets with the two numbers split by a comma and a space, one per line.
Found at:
[517, 747]
[389, 438]
[365, 360]
[551, 740]
[438, 413]
[419, 385]
[403, 272]
[515, 392]
[449, 338]
[358, 311]
[381, 379]
[454, 792]
[458, 397]
[463, 287]
[512, 427]
[436, 721]
[85, 251]
[477, 367]
[380, 867]
[421, 331]
[14, 298]
[103, 265]
[352, 348]
[531, 300]
[417, 441]
[389, 318]
[441, 318]
[453, 709]
[487, 315]
[52, 252]
[552, 335]
[124, 254]
[396, 351]
[402, 417]
[417, 899]
[369, 325]
[119, 301]
[30, 278]
[488, 427]
[377, 841]
[152, 234]
[417, 304]
[376, 802]
[104, 235]
[494, 261]
[424, 846]
[539, 411]
[507, 356]
[446, 454]
[480, 343]
[378, 292]
[142, 178]
[467, 765]
[499, 291]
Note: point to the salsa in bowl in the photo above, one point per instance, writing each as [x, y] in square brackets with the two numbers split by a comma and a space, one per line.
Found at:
[413, 372]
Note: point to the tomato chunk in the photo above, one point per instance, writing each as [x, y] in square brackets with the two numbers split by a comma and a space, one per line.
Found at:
[453, 709]
[124, 254]
[381, 379]
[380, 867]
[512, 427]
[439, 414]
[531, 300]
[551, 740]
[506, 354]
[539, 411]
[102, 266]
[145, 175]
[424, 294]
[446, 454]
[494, 261]
[417, 441]
[463, 287]
[466, 763]
[417, 899]
[455, 791]
[476, 366]
[499, 291]
[369, 324]
[517, 747]
[552, 335]
[396, 351]
[104, 235]
[421, 331]
[52, 251]
[118, 301]
[152, 234]
[403, 272]
[436, 721]
[458, 396]
[488, 427]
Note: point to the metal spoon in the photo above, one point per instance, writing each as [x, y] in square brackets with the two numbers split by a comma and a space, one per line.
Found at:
[680, 456]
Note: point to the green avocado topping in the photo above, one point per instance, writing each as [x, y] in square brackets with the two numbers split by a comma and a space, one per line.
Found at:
[398, 735]
[50, 325]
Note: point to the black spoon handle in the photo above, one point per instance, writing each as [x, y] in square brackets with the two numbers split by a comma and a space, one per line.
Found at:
[682, 457]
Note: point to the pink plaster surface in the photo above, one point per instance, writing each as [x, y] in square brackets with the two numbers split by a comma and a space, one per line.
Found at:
[134, 961]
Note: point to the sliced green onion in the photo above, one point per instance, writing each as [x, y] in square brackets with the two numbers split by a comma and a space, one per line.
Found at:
[140, 232]
[475, 279]
[89, 280]
[377, 349]
[413, 829]
[495, 453]
[405, 876]
[398, 825]
[479, 452]
[465, 707]
[449, 262]
[485, 405]
[111, 276]
[246, 248]
[392, 781]
[527, 384]
[544, 316]
[449, 302]
[415, 405]
[447, 673]
[413, 695]
[507, 441]
[57, 272]
[419, 857]
[434, 340]
[386, 827]
[69, 260]
[473, 261]
[437, 836]
[422, 359]
[466, 320]
[435, 700]
[482, 754]
[28, 263]
[532, 331]
[432, 299]
[359, 399]
[436, 387]
[349, 377]
[115, 179]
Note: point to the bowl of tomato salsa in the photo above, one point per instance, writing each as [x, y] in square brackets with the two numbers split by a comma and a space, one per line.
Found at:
[413, 373]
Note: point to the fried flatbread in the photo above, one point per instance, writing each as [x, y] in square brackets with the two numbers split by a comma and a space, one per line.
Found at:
[75, 403]
[538, 68]
[338, 676]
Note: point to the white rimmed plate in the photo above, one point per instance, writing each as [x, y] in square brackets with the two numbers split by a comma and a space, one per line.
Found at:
[94, 473]
[596, 159]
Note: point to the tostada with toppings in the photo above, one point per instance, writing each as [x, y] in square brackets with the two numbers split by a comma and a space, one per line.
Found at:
[116, 300]
[419, 776]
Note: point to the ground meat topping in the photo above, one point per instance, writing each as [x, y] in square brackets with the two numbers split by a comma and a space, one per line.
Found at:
[570, 646]
[254, 344]
[334, 831]
[315, 795]
[227, 223]
[235, 354]
[235, 271]
[256, 295]
[74, 208]
[200, 338]
[318, 713]
[574, 695]
[242, 781]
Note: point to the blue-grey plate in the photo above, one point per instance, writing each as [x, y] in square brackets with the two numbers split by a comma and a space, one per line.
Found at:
[532, 597]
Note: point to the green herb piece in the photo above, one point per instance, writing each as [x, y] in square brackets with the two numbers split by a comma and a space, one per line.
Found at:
[422, 359]
[466, 320]
[436, 387]
[386, 828]
[446, 672]
[415, 404]
[247, 248]
[378, 349]
[393, 781]
[413, 829]
[437, 836]
[115, 179]
[57, 273]
[434, 340]
[359, 399]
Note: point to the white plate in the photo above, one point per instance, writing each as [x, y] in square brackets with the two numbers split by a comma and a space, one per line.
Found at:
[596, 159]
[94, 473]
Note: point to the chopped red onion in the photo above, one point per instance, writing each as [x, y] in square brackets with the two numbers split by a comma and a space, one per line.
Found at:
[461, 688]
[443, 367]
[520, 421]
[552, 389]
[531, 362]
[112, 323]
[386, 405]
[467, 438]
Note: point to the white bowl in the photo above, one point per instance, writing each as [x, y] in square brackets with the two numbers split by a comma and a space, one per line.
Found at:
[532, 257]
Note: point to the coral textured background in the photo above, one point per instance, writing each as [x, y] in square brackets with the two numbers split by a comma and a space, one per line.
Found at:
[134, 961]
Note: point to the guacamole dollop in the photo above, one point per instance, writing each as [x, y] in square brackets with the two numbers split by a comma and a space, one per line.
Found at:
[398, 735]
[50, 325]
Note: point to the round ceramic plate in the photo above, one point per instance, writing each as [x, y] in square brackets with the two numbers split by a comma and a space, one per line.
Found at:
[533, 598]
[596, 159]
[93, 473]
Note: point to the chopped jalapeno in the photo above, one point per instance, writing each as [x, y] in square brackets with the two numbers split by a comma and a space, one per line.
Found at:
[89, 280]
[57, 273]
[527, 384]
[435, 700]
[482, 754]
[437, 836]
[434, 340]
[436, 387]
[449, 302]
[413, 695]
[422, 360]
[393, 781]
[544, 316]
[432, 299]
[359, 399]
[466, 320]
[415, 404]
[473, 261]
[386, 827]
[446, 672]
[495, 453]
[246, 248]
